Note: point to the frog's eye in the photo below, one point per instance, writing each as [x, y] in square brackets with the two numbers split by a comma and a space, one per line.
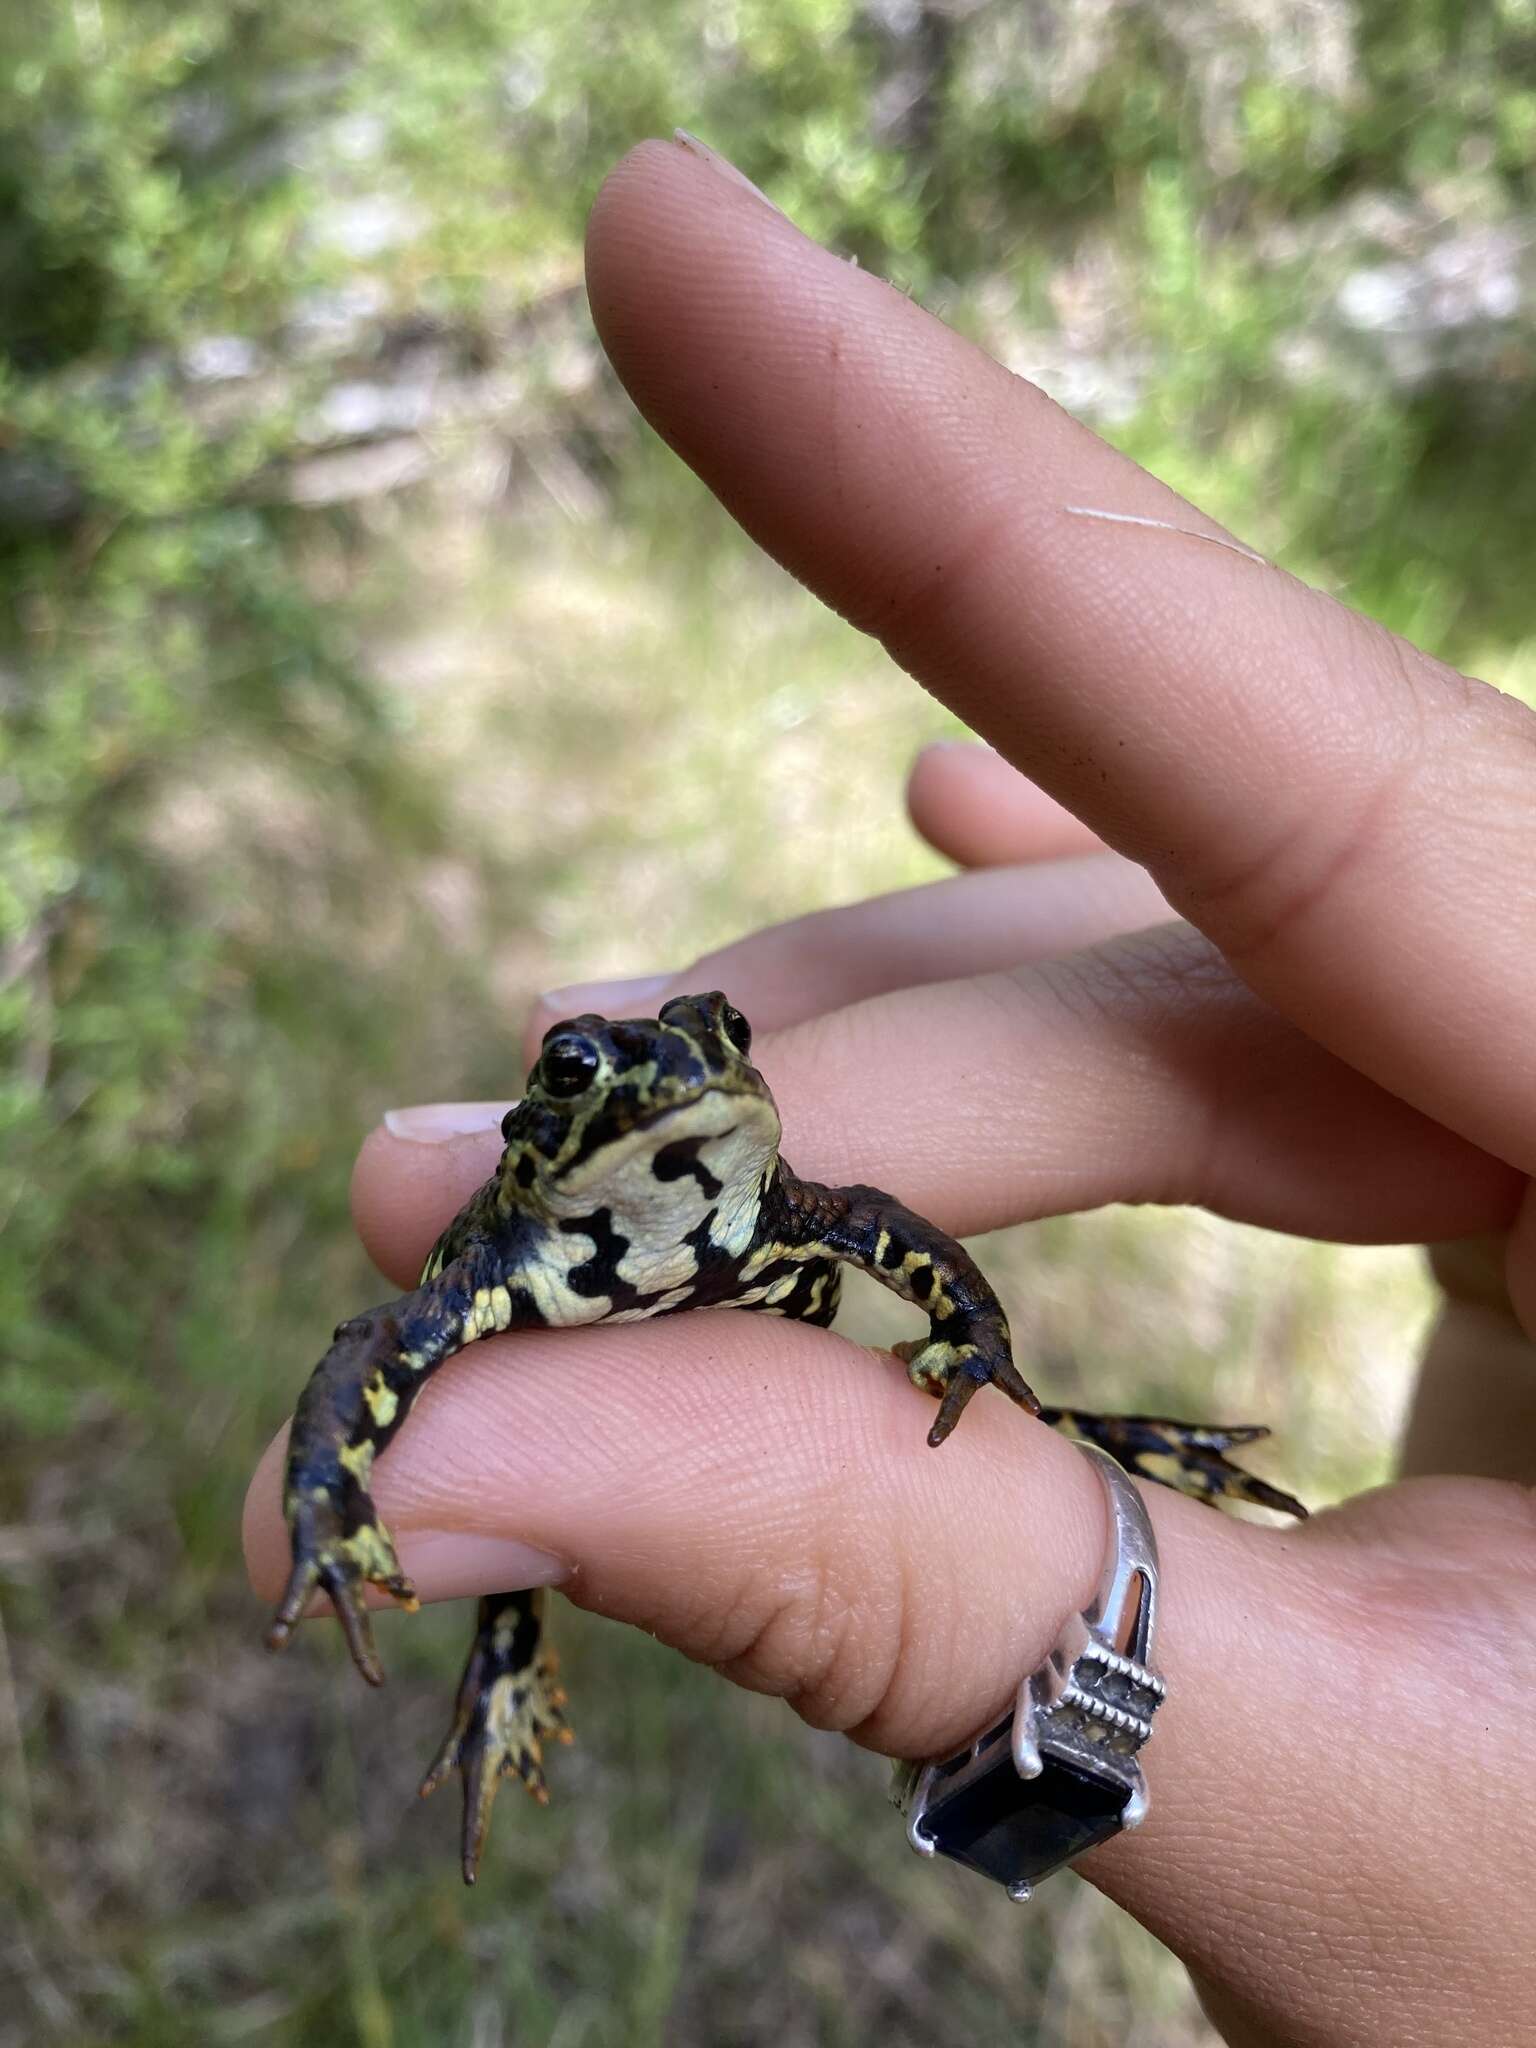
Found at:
[567, 1065]
[736, 1028]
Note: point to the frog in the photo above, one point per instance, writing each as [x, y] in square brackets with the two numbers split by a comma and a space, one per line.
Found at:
[641, 1176]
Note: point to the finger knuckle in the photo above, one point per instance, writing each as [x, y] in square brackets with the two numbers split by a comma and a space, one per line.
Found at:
[773, 1635]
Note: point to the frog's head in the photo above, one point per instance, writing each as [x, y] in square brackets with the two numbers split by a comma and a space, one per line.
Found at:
[618, 1112]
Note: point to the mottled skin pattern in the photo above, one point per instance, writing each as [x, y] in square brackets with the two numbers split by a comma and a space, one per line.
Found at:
[641, 1176]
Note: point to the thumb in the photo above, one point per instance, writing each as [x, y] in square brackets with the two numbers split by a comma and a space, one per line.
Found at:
[760, 1495]
[756, 1493]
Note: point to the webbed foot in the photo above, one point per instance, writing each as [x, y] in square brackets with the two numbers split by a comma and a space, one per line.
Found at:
[340, 1546]
[952, 1372]
[508, 1705]
[1178, 1454]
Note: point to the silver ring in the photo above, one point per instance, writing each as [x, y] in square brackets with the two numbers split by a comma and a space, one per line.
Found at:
[1068, 1775]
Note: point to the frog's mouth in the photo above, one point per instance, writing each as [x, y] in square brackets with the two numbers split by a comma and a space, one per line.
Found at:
[731, 1090]
[700, 1102]
[717, 1115]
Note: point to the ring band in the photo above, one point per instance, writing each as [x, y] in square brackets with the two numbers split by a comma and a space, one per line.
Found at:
[1059, 1773]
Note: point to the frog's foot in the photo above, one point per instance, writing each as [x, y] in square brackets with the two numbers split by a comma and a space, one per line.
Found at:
[340, 1546]
[1178, 1454]
[508, 1706]
[952, 1372]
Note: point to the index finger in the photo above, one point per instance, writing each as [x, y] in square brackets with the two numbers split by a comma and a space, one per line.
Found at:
[1324, 801]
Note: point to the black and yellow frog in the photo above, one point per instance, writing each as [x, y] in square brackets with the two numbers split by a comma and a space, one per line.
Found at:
[641, 1176]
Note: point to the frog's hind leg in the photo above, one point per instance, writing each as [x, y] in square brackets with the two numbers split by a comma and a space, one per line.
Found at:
[508, 1707]
[1182, 1455]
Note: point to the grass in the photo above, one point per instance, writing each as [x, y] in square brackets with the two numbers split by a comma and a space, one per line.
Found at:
[202, 1845]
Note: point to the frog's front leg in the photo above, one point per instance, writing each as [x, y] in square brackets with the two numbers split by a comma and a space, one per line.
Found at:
[355, 1401]
[968, 1345]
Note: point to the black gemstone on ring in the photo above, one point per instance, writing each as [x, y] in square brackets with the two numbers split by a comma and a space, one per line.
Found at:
[1011, 1828]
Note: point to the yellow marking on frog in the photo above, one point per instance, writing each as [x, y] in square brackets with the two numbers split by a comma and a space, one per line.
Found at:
[659, 1307]
[746, 1296]
[556, 1302]
[933, 1365]
[383, 1402]
[358, 1459]
[769, 1254]
[781, 1288]
[372, 1551]
[882, 1245]
[489, 1313]
[1163, 1465]
[937, 1304]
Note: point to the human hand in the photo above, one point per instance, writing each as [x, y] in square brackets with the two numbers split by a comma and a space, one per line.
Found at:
[1335, 1044]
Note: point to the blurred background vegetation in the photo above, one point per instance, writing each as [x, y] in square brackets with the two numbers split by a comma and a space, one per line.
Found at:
[350, 646]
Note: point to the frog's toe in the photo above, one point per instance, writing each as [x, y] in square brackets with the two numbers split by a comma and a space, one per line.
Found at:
[1181, 1455]
[952, 1372]
[337, 1560]
[508, 1707]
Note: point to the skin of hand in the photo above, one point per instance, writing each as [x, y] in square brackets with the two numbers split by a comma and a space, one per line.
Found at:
[1332, 1043]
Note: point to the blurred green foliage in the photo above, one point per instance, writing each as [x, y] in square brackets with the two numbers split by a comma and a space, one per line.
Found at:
[217, 947]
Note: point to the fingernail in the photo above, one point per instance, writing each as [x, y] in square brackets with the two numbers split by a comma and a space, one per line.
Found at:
[606, 998]
[436, 1123]
[725, 167]
[447, 1565]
